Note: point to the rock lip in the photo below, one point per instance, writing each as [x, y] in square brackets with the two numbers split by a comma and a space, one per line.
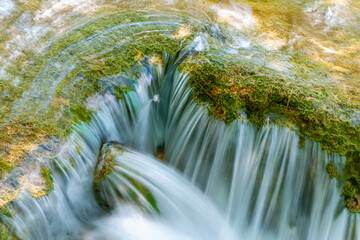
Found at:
[108, 153]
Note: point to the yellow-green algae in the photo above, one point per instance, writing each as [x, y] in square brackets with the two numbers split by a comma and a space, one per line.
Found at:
[46, 174]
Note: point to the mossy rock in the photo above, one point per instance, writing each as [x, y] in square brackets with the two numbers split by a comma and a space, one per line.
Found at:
[137, 193]
[107, 156]
[312, 111]
[330, 168]
[354, 203]
[7, 211]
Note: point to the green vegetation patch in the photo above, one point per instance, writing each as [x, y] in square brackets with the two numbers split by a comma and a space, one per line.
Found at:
[4, 232]
[46, 174]
[67, 73]
[310, 109]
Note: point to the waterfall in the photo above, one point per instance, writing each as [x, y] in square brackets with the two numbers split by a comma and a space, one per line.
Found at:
[216, 181]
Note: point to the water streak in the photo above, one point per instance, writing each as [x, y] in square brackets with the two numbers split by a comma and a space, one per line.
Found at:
[217, 181]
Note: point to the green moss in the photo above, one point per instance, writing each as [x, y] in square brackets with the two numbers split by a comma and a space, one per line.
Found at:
[3, 166]
[301, 103]
[30, 6]
[46, 174]
[4, 232]
[330, 168]
[80, 113]
[213, 85]
[312, 110]
[67, 99]
[349, 189]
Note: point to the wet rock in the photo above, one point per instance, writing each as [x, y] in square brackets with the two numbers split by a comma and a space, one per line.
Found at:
[108, 153]
[32, 175]
[109, 192]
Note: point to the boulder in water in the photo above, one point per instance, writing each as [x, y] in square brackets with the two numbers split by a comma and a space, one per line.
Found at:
[109, 191]
[108, 153]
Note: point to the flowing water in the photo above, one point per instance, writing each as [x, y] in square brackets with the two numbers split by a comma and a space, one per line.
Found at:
[176, 171]
[216, 181]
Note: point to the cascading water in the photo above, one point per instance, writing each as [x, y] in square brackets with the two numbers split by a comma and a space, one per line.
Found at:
[216, 181]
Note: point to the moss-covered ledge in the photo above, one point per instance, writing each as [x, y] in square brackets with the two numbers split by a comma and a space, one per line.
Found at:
[311, 110]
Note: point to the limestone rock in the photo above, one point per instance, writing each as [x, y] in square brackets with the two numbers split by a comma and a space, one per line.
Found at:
[107, 155]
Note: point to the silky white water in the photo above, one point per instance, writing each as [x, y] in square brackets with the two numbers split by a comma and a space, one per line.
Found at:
[216, 181]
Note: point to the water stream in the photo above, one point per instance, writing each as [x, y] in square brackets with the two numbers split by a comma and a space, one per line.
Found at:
[215, 181]
[133, 154]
